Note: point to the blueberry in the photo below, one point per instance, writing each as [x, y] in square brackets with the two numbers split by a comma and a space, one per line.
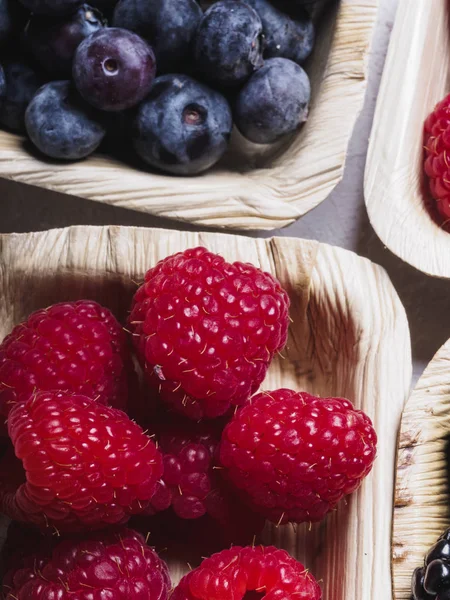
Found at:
[51, 7]
[183, 127]
[13, 17]
[2, 84]
[104, 5]
[437, 577]
[297, 8]
[282, 35]
[228, 44]
[168, 25]
[114, 69]
[52, 41]
[22, 82]
[60, 124]
[274, 102]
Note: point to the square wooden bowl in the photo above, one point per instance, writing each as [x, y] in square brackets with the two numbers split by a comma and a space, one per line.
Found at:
[415, 78]
[349, 337]
[422, 496]
[254, 187]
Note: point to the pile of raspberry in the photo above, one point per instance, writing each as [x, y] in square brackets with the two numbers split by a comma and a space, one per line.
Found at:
[156, 424]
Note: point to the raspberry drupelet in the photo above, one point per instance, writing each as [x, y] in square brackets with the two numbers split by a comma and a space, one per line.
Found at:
[231, 574]
[294, 456]
[83, 465]
[72, 346]
[106, 566]
[437, 157]
[206, 330]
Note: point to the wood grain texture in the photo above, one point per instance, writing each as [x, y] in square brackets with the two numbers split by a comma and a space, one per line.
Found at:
[422, 507]
[415, 78]
[254, 187]
[349, 337]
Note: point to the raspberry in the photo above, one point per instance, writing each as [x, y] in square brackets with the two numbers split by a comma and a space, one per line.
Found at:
[294, 456]
[206, 330]
[266, 571]
[437, 156]
[107, 566]
[193, 487]
[73, 346]
[189, 479]
[84, 465]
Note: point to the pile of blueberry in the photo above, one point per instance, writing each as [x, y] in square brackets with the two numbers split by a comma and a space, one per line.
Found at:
[164, 76]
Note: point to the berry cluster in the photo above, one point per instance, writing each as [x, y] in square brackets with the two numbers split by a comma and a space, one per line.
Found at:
[432, 581]
[74, 463]
[164, 78]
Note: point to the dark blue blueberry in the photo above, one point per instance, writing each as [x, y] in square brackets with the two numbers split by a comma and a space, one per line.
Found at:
[274, 102]
[282, 35]
[106, 6]
[51, 7]
[298, 8]
[2, 84]
[13, 17]
[114, 69]
[22, 82]
[437, 577]
[60, 124]
[168, 25]
[183, 127]
[52, 41]
[417, 588]
[228, 44]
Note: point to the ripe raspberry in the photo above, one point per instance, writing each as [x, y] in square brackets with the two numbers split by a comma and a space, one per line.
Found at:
[206, 330]
[193, 487]
[437, 156]
[188, 456]
[294, 456]
[266, 571]
[107, 566]
[73, 346]
[84, 465]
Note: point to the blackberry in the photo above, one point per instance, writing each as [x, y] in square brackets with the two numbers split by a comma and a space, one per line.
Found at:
[432, 581]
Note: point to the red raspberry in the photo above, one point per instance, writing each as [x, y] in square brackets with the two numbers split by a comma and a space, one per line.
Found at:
[188, 456]
[437, 156]
[74, 346]
[107, 566]
[86, 465]
[266, 571]
[193, 487]
[206, 330]
[294, 456]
